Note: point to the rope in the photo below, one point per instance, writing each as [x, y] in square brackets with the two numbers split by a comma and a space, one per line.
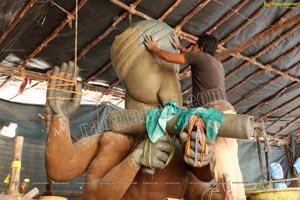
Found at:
[147, 155]
[200, 136]
[68, 91]
[212, 189]
[76, 42]
[70, 16]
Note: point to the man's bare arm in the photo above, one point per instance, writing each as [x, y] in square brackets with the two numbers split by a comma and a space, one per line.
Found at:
[163, 54]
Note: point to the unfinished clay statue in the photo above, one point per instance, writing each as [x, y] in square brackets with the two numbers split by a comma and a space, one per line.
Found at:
[113, 161]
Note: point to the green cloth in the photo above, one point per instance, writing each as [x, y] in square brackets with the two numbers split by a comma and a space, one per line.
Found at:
[156, 120]
[213, 120]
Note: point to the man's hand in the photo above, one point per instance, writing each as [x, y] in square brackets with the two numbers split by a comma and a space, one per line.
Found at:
[201, 159]
[174, 41]
[63, 95]
[149, 42]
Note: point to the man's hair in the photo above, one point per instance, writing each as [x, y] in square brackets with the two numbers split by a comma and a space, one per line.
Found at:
[209, 43]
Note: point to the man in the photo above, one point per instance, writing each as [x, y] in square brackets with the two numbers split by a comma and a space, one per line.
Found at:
[112, 161]
[208, 91]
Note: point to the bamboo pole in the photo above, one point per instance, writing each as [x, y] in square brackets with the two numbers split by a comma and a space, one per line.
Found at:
[13, 189]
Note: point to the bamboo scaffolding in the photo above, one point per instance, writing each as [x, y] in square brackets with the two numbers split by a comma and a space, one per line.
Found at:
[53, 35]
[227, 16]
[276, 109]
[287, 126]
[163, 17]
[264, 49]
[267, 32]
[286, 114]
[284, 55]
[16, 20]
[268, 100]
[265, 85]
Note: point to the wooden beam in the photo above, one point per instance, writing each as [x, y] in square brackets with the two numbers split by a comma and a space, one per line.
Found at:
[16, 20]
[273, 97]
[245, 80]
[269, 31]
[105, 67]
[53, 35]
[163, 17]
[265, 67]
[263, 50]
[226, 16]
[286, 114]
[243, 25]
[252, 93]
[276, 109]
[287, 126]
[192, 13]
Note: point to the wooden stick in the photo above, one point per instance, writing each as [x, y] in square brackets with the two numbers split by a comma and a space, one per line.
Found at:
[16, 20]
[16, 167]
[192, 13]
[53, 35]
[162, 18]
[102, 36]
[105, 67]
